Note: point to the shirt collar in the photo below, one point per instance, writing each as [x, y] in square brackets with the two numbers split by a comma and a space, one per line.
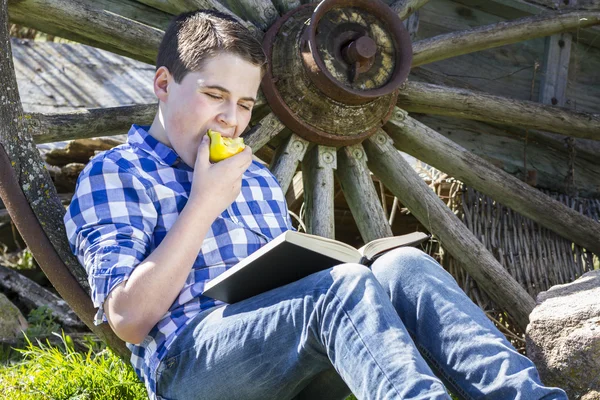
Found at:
[139, 137]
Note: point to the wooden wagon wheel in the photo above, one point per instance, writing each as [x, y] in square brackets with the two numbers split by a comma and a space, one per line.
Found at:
[337, 80]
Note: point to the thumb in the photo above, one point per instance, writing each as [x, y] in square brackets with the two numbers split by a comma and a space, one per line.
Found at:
[203, 151]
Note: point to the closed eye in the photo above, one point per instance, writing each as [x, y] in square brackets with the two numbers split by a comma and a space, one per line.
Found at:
[214, 96]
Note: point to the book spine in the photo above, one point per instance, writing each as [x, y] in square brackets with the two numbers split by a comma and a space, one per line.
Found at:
[364, 261]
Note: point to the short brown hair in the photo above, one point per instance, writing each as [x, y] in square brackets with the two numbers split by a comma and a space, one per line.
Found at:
[193, 37]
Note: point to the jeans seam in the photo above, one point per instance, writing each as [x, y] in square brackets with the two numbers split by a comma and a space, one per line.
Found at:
[365, 345]
[425, 353]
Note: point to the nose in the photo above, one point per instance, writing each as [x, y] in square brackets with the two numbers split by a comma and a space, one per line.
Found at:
[228, 115]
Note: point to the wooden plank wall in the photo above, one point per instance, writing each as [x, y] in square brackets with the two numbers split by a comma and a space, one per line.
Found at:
[509, 71]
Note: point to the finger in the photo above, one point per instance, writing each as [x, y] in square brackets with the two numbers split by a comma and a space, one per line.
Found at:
[204, 151]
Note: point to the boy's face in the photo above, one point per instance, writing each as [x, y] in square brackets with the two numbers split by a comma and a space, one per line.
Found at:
[219, 97]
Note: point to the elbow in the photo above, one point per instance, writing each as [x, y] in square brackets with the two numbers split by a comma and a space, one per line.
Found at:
[128, 329]
[126, 322]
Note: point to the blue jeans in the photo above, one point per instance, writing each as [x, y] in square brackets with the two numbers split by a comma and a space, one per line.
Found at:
[394, 331]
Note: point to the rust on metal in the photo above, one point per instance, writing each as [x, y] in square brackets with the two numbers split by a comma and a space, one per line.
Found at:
[45, 254]
[321, 76]
[288, 80]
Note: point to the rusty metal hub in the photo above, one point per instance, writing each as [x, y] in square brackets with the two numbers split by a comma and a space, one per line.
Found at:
[334, 69]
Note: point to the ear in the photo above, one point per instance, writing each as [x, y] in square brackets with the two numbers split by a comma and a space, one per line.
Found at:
[162, 79]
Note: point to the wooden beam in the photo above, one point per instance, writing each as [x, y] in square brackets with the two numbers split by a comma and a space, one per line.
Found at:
[431, 147]
[426, 98]
[286, 160]
[500, 34]
[361, 195]
[46, 128]
[131, 37]
[404, 182]
[265, 130]
[404, 8]
[317, 177]
[260, 12]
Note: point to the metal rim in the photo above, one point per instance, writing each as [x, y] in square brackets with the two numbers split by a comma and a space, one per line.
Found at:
[323, 79]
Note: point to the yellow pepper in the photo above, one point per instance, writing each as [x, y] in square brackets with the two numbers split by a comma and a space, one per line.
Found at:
[223, 147]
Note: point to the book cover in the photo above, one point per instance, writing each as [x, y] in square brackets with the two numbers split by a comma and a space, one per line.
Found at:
[288, 258]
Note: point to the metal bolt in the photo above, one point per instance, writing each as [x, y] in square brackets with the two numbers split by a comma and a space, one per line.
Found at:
[298, 146]
[328, 157]
[360, 50]
[381, 139]
[357, 153]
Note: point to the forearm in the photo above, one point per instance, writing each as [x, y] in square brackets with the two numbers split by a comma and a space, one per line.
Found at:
[135, 306]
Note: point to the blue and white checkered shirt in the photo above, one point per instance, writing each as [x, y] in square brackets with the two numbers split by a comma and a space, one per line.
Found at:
[125, 202]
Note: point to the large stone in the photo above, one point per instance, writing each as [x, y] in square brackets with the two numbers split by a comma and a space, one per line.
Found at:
[563, 336]
[12, 321]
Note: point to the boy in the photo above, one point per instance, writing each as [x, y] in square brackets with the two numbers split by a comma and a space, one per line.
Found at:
[153, 220]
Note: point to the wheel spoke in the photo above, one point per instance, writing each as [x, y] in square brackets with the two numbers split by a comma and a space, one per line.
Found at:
[80, 124]
[360, 193]
[404, 8]
[286, 160]
[427, 98]
[121, 33]
[404, 182]
[260, 12]
[265, 130]
[433, 148]
[500, 34]
[317, 177]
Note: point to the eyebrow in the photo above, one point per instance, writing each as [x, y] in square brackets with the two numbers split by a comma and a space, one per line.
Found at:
[222, 89]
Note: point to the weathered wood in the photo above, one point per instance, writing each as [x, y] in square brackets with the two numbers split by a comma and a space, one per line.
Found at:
[34, 296]
[45, 128]
[555, 69]
[503, 147]
[38, 190]
[462, 103]
[85, 19]
[283, 6]
[412, 25]
[267, 128]
[431, 147]
[317, 177]
[399, 177]
[27, 163]
[404, 8]
[286, 160]
[513, 9]
[191, 5]
[354, 176]
[508, 70]
[500, 34]
[261, 12]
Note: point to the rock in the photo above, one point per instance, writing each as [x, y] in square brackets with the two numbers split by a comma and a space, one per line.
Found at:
[12, 322]
[593, 395]
[563, 336]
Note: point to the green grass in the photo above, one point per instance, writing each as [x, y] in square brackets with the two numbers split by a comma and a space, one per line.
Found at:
[60, 372]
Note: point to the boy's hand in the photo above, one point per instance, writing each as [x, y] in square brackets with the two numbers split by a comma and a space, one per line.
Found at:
[216, 186]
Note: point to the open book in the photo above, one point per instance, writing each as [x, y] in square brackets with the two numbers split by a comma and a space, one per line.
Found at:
[292, 256]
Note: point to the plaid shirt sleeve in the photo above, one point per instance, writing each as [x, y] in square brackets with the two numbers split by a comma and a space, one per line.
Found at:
[109, 224]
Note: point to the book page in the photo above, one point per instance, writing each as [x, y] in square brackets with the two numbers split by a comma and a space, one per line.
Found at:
[330, 247]
[377, 246]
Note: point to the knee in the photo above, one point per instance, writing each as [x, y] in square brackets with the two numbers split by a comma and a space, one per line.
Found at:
[401, 261]
[350, 277]
[407, 265]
